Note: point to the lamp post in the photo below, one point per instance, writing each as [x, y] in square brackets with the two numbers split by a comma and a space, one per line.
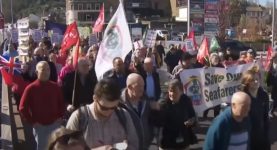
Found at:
[12, 11]
[188, 17]
[273, 22]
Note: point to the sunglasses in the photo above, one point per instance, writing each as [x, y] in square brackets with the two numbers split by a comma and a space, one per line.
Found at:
[104, 108]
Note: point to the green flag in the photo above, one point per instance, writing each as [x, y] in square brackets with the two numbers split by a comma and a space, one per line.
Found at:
[214, 46]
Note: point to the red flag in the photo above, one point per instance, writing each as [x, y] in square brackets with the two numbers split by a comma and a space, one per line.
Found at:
[203, 51]
[268, 57]
[98, 25]
[19, 84]
[11, 65]
[76, 54]
[8, 78]
[192, 36]
[70, 37]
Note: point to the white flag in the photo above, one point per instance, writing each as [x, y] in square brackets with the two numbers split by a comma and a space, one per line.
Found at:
[116, 42]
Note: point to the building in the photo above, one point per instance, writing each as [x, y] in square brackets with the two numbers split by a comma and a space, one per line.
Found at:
[85, 12]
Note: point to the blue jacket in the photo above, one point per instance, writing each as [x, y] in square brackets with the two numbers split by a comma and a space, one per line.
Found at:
[219, 133]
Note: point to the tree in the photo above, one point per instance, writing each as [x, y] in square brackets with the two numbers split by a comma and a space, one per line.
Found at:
[230, 14]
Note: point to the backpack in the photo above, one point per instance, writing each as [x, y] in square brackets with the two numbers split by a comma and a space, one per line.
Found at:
[83, 118]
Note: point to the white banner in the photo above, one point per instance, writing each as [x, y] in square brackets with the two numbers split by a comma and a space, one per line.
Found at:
[116, 42]
[212, 86]
[23, 32]
[23, 23]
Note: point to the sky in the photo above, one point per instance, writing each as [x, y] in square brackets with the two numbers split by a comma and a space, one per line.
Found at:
[263, 2]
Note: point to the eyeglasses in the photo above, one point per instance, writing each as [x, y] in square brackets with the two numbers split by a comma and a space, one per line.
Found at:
[104, 108]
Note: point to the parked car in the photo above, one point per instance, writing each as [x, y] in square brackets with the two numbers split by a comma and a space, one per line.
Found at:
[236, 47]
[162, 33]
[175, 36]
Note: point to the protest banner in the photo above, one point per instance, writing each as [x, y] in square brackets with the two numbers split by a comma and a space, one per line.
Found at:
[23, 36]
[212, 86]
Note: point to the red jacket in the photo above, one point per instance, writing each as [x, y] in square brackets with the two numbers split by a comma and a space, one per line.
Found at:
[42, 102]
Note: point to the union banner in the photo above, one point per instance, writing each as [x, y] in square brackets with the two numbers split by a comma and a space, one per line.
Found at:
[212, 86]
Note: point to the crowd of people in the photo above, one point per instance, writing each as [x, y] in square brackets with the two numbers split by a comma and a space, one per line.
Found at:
[127, 109]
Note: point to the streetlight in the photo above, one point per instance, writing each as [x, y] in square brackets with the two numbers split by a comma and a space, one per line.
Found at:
[12, 11]
[188, 17]
[273, 22]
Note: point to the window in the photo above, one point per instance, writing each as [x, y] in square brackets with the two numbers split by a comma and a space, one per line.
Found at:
[72, 7]
[88, 17]
[88, 6]
[80, 6]
[75, 7]
[97, 6]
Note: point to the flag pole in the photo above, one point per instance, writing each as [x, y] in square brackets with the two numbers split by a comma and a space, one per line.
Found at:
[75, 65]
[74, 87]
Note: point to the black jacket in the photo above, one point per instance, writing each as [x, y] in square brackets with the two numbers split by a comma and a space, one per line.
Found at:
[172, 59]
[83, 93]
[272, 81]
[259, 136]
[112, 74]
[157, 85]
[172, 118]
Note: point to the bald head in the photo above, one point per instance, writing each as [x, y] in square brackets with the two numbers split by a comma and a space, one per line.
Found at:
[43, 71]
[134, 78]
[147, 60]
[135, 87]
[240, 105]
[240, 98]
[38, 52]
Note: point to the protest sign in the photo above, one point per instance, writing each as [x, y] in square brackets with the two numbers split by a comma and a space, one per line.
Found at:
[138, 44]
[189, 45]
[92, 39]
[212, 86]
[36, 35]
[14, 35]
[150, 38]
